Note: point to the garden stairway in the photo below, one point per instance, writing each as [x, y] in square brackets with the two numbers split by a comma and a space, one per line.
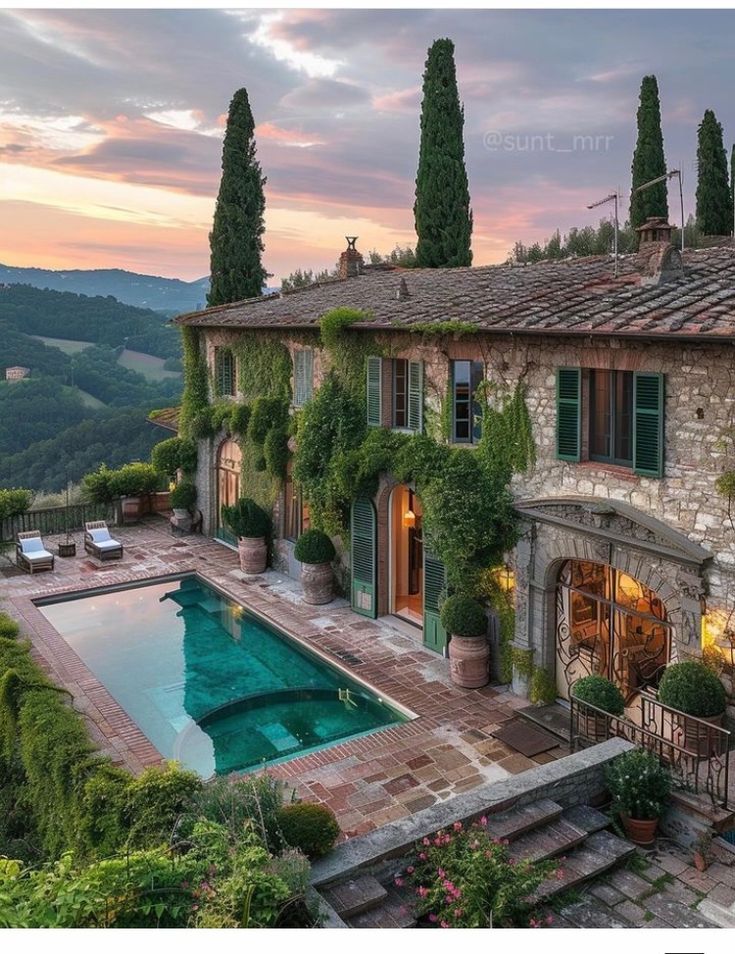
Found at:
[541, 830]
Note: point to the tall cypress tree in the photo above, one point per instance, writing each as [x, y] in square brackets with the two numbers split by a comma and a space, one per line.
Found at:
[648, 159]
[442, 209]
[236, 239]
[732, 180]
[714, 201]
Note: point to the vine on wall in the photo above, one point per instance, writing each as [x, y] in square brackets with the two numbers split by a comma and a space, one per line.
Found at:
[196, 391]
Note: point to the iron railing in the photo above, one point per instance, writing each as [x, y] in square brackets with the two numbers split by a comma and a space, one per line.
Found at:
[56, 520]
[695, 751]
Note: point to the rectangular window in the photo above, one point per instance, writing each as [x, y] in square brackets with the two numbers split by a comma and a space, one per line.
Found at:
[224, 372]
[400, 392]
[295, 511]
[303, 377]
[466, 412]
[611, 417]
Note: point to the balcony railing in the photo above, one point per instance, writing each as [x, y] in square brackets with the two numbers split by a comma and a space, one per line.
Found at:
[695, 751]
[56, 520]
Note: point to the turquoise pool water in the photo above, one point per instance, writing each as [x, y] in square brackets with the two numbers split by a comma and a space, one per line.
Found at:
[209, 684]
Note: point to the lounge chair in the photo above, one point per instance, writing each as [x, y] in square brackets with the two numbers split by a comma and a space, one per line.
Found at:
[30, 553]
[99, 543]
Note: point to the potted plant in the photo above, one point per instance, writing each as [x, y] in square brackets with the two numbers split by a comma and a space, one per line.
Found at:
[134, 483]
[640, 786]
[694, 690]
[702, 850]
[465, 621]
[602, 694]
[252, 526]
[315, 551]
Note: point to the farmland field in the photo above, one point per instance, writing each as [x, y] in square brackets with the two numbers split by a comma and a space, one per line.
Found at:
[147, 365]
[67, 345]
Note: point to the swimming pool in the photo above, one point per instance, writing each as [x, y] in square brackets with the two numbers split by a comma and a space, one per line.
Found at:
[207, 682]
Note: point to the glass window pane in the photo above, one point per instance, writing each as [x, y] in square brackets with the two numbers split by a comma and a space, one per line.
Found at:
[600, 417]
[462, 403]
[400, 388]
[624, 416]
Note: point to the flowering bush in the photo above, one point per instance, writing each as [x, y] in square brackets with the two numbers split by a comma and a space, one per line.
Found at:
[465, 878]
[639, 785]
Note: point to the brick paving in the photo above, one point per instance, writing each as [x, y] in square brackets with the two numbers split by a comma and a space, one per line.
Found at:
[371, 781]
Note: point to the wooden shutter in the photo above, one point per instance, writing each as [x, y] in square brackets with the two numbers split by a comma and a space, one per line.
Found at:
[363, 558]
[648, 424]
[568, 401]
[303, 377]
[374, 396]
[435, 582]
[416, 395]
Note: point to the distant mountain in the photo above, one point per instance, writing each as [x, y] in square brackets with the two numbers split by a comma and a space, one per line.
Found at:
[145, 291]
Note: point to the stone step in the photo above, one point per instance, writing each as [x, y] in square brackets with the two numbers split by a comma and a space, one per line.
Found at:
[589, 913]
[588, 819]
[507, 826]
[395, 911]
[350, 898]
[600, 852]
[556, 838]
[554, 718]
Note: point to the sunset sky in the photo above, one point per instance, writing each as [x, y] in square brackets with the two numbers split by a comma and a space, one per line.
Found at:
[111, 124]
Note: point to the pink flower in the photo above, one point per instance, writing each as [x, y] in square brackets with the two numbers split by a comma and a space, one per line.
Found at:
[410, 869]
[441, 872]
[421, 891]
[483, 821]
[458, 912]
[559, 874]
[549, 919]
[457, 826]
[444, 924]
[398, 882]
[534, 923]
[433, 918]
[422, 856]
[425, 841]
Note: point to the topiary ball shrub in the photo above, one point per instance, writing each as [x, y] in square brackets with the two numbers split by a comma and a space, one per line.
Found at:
[9, 629]
[184, 495]
[310, 827]
[463, 616]
[246, 519]
[599, 692]
[314, 546]
[692, 688]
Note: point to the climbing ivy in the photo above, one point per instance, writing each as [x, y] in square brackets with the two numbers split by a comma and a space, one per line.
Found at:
[196, 397]
[348, 353]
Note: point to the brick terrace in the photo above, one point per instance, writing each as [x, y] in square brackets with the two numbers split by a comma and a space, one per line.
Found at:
[368, 782]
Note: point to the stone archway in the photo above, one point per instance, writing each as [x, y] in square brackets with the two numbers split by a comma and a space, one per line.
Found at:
[614, 535]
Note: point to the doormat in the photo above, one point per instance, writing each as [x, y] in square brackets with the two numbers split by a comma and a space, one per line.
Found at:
[524, 738]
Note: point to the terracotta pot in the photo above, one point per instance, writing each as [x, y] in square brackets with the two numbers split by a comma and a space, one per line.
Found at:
[640, 831]
[593, 726]
[253, 552]
[317, 581]
[698, 740]
[469, 659]
[161, 501]
[700, 862]
[133, 508]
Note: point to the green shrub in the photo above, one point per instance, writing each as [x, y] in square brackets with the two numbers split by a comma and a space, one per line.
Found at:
[266, 413]
[96, 486]
[314, 546]
[542, 689]
[250, 801]
[639, 785]
[184, 495]
[132, 480]
[240, 419]
[9, 629]
[176, 453]
[156, 800]
[202, 424]
[276, 452]
[599, 692]
[246, 519]
[222, 417]
[462, 616]
[310, 827]
[692, 688]
[14, 501]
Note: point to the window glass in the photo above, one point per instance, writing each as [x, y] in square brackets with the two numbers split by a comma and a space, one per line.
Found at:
[462, 401]
[400, 392]
[611, 416]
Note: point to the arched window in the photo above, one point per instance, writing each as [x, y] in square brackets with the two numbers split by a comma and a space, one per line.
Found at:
[229, 466]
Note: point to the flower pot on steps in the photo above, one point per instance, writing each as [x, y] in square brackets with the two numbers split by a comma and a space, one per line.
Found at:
[640, 831]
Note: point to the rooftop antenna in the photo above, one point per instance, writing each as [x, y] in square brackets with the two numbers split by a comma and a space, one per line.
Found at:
[663, 178]
[613, 197]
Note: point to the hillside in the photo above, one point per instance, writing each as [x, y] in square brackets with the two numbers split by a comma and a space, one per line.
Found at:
[144, 291]
[103, 321]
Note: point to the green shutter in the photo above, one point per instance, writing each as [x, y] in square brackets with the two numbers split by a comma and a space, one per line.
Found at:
[416, 395]
[568, 402]
[648, 424]
[374, 395]
[435, 583]
[364, 589]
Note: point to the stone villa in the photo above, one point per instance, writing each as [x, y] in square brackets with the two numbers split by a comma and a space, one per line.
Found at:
[626, 560]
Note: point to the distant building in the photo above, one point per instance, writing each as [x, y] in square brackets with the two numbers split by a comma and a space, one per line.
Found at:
[16, 374]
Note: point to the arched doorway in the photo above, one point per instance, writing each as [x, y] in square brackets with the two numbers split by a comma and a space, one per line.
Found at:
[229, 467]
[611, 624]
[406, 555]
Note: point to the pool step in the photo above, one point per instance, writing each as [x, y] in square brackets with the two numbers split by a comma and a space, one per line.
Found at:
[510, 825]
[353, 897]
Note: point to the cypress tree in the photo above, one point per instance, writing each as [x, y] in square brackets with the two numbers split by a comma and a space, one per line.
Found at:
[714, 201]
[442, 209]
[648, 159]
[236, 239]
[732, 179]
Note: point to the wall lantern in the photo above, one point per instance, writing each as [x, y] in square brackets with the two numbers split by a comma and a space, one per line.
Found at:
[506, 578]
[409, 519]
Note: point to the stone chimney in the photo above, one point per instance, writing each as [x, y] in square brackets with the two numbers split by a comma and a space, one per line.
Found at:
[660, 261]
[350, 261]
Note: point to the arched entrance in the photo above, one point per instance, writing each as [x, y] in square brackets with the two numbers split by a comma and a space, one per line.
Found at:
[229, 467]
[406, 573]
[611, 624]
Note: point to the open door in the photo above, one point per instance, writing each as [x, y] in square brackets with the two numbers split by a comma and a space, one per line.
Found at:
[364, 546]
[435, 581]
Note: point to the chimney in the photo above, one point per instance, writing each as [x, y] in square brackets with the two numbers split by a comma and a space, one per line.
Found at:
[660, 261]
[403, 293]
[350, 261]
